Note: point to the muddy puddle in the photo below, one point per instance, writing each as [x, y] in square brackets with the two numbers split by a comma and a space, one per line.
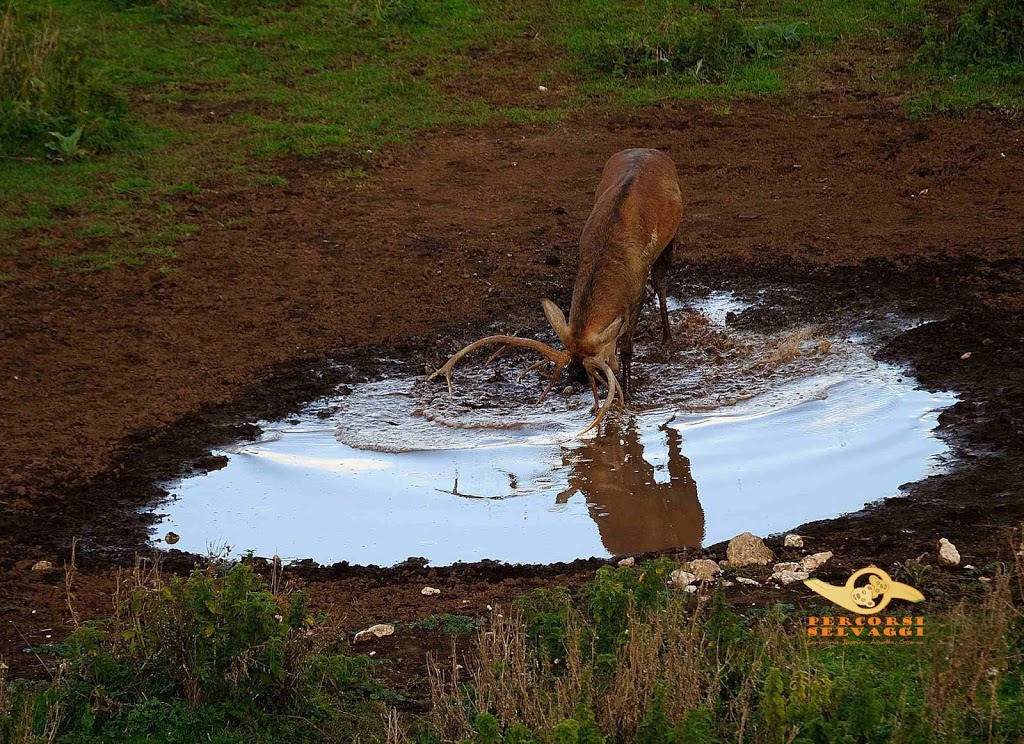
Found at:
[728, 431]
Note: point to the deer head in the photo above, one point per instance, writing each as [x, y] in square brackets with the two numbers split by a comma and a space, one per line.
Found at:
[595, 353]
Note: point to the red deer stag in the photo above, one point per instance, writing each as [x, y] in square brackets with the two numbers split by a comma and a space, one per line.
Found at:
[628, 238]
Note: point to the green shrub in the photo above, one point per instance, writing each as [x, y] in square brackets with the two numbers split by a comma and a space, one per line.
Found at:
[207, 657]
[49, 83]
[989, 33]
[707, 45]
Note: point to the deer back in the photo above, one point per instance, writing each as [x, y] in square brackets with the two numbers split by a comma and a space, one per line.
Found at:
[637, 210]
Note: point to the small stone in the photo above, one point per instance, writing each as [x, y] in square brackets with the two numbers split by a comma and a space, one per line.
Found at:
[968, 567]
[374, 631]
[542, 88]
[746, 549]
[788, 577]
[690, 589]
[815, 560]
[627, 562]
[727, 583]
[682, 579]
[748, 582]
[42, 566]
[171, 538]
[793, 541]
[704, 569]
[429, 591]
[948, 554]
[984, 579]
[567, 390]
[787, 566]
[965, 355]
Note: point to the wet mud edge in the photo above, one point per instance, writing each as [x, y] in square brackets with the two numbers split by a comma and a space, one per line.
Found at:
[974, 504]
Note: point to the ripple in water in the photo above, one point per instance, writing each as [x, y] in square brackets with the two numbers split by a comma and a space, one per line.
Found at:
[731, 432]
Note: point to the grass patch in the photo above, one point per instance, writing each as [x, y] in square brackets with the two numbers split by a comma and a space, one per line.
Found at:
[120, 254]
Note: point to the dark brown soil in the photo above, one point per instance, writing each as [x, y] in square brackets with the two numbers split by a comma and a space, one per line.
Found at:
[110, 382]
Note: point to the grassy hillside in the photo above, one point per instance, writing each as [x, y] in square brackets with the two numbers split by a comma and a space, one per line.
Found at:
[114, 112]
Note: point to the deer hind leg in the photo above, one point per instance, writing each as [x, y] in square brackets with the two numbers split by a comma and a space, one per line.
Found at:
[659, 279]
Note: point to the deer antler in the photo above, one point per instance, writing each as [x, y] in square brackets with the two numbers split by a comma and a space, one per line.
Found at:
[613, 388]
[560, 358]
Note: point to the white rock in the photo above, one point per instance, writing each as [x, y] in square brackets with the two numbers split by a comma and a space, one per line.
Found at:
[429, 591]
[787, 566]
[704, 569]
[42, 566]
[374, 631]
[815, 560]
[746, 549]
[542, 88]
[682, 579]
[690, 589]
[788, 577]
[948, 554]
[748, 582]
[793, 541]
[626, 562]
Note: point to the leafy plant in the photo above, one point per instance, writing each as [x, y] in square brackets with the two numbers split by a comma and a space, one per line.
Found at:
[65, 149]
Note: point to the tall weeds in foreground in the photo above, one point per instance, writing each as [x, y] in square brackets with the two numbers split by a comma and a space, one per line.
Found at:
[207, 657]
[679, 668]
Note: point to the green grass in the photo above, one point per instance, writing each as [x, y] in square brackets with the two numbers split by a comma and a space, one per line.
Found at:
[172, 96]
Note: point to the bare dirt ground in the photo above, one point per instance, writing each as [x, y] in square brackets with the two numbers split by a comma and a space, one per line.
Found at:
[110, 382]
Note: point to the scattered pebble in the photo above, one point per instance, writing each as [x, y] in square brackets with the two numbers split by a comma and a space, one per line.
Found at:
[948, 554]
[374, 631]
[42, 566]
[966, 355]
[567, 390]
[542, 88]
[793, 541]
[968, 567]
[748, 582]
[690, 589]
[429, 591]
[787, 566]
[626, 562]
[746, 549]
[815, 560]
[682, 579]
[704, 569]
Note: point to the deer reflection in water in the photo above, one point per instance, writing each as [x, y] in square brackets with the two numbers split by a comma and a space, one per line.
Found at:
[633, 512]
